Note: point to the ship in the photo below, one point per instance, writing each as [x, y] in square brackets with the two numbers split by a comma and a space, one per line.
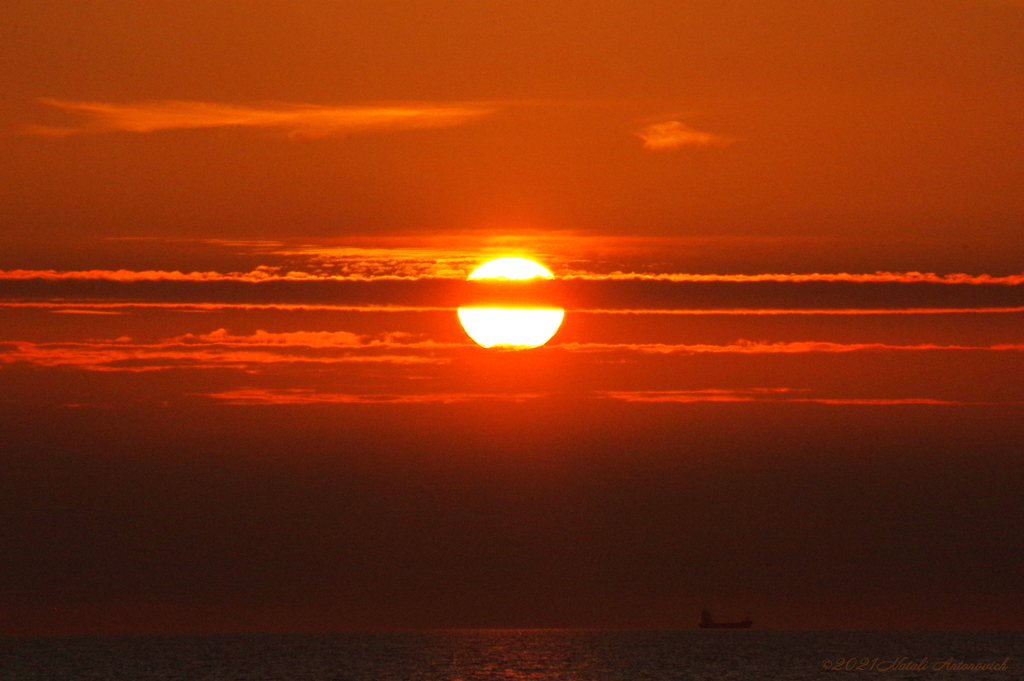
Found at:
[708, 622]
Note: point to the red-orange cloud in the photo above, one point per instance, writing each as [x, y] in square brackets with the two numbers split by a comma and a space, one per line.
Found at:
[256, 275]
[836, 311]
[383, 268]
[877, 277]
[709, 395]
[676, 134]
[772, 395]
[116, 307]
[257, 396]
[59, 307]
[220, 349]
[314, 339]
[751, 348]
[302, 120]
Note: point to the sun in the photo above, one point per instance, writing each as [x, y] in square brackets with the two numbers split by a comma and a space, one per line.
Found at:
[518, 328]
[510, 268]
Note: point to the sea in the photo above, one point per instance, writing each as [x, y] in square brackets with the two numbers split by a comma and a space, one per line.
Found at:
[541, 654]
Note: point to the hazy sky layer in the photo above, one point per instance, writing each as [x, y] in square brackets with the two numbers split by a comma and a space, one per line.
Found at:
[897, 122]
[235, 394]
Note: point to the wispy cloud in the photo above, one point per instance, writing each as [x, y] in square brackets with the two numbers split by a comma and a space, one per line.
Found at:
[742, 347]
[265, 396]
[116, 308]
[258, 274]
[385, 268]
[86, 311]
[222, 350]
[251, 352]
[676, 134]
[138, 359]
[772, 395]
[873, 277]
[739, 312]
[303, 396]
[301, 120]
[708, 395]
[875, 401]
[314, 339]
[84, 307]
[447, 261]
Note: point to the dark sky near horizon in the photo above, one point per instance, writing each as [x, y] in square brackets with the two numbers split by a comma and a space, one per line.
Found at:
[235, 394]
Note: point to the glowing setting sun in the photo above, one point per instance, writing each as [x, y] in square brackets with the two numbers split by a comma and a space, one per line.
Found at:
[510, 268]
[518, 328]
[510, 327]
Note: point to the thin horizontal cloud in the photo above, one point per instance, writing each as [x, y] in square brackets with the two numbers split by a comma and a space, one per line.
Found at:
[219, 349]
[308, 396]
[264, 396]
[120, 307]
[835, 311]
[742, 347]
[429, 260]
[895, 401]
[684, 396]
[876, 277]
[251, 352]
[300, 120]
[676, 134]
[773, 395]
[314, 339]
[138, 359]
[384, 269]
[256, 275]
[115, 308]
[77, 311]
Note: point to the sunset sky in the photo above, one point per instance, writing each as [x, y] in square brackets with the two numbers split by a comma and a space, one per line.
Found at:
[235, 394]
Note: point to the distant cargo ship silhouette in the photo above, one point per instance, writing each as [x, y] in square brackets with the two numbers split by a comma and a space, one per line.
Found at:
[708, 622]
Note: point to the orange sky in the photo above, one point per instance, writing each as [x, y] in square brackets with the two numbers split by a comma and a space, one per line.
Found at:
[896, 126]
[234, 393]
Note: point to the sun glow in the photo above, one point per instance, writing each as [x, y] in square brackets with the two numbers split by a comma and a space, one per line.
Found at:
[510, 327]
[510, 268]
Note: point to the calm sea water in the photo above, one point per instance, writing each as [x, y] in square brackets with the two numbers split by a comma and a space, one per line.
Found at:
[558, 655]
